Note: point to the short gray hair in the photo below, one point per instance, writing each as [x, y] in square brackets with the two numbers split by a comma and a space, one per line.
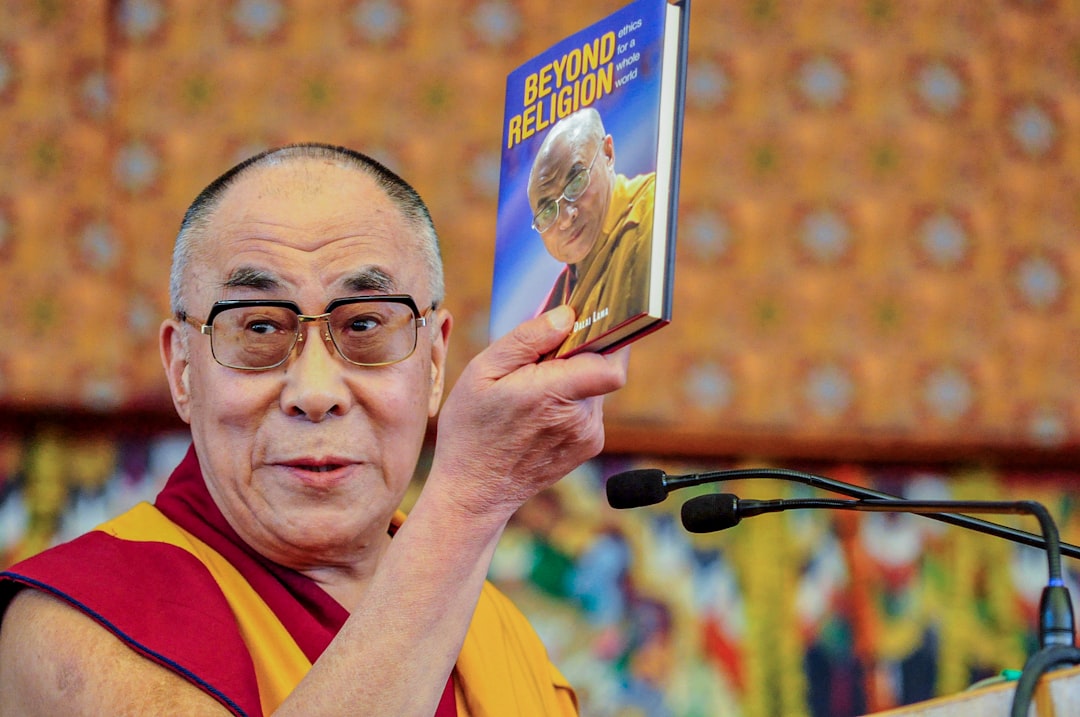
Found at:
[407, 200]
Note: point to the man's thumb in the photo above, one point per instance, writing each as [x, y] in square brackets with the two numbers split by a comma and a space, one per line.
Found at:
[533, 339]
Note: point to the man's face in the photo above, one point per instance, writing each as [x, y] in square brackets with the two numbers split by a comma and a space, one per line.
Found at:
[308, 460]
[580, 223]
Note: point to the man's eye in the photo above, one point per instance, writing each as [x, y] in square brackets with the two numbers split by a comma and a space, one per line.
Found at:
[262, 327]
[576, 185]
[362, 323]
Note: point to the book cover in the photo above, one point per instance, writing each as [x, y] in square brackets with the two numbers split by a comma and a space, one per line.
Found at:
[588, 186]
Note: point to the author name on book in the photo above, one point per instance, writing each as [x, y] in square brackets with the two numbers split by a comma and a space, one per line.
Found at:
[587, 321]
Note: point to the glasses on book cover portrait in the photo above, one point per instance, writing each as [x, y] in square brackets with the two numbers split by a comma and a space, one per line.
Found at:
[572, 191]
[255, 335]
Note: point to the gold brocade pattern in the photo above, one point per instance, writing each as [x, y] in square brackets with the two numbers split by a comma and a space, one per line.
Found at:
[877, 225]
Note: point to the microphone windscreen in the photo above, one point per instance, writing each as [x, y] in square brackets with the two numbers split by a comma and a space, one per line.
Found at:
[634, 489]
[711, 512]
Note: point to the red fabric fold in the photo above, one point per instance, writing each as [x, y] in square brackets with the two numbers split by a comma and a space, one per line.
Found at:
[163, 602]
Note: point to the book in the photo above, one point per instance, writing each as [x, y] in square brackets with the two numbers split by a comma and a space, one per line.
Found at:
[589, 178]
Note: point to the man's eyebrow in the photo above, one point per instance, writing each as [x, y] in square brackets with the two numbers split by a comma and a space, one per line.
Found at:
[248, 277]
[556, 181]
[367, 279]
[370, 279]
[578, 166]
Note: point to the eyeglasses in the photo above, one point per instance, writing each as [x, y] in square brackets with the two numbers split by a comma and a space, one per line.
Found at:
[572, 191]
[254, 335]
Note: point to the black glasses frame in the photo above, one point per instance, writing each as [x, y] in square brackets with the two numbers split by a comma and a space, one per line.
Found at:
[207, 327]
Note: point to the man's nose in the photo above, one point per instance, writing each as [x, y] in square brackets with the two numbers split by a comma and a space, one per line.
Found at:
[315, 385]
[568, 214]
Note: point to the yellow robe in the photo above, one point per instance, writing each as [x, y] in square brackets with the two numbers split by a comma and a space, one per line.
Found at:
[503, 669]
[613, 280]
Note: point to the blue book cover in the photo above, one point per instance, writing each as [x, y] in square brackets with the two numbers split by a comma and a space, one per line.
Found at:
[588, 188]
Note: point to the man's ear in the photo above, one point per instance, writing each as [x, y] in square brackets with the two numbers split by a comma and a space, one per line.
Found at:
[174, 357]
[442, 323]
[609, 150]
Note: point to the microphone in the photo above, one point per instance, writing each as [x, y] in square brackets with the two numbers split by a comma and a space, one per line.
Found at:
[1057, 633]
[648, 486]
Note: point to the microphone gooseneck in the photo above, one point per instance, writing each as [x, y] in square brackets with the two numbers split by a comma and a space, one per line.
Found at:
[718, 511]
[648, 486]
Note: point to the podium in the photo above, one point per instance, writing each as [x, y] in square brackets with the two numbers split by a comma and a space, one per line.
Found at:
[1057, 695]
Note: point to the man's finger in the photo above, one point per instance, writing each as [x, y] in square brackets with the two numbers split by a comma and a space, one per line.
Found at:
[529, 341]
[588, 374]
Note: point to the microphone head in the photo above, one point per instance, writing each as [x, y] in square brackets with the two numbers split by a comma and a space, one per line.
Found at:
[637, 488]
[710, 513]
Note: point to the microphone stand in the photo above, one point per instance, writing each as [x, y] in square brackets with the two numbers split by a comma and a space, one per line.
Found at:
[1044, 660]
[1057, 633]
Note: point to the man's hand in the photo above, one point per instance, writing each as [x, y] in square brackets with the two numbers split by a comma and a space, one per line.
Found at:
[512, 427]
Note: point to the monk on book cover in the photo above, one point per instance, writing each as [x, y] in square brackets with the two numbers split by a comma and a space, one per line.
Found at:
[594, 220]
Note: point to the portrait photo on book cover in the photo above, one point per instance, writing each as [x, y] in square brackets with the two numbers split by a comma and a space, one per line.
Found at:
[593, 221]
[596, 222]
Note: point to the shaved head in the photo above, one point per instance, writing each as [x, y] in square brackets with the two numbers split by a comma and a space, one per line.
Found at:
[197, 218]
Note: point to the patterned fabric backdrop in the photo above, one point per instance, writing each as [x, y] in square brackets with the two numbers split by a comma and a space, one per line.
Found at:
[877, 223]
[876, 262]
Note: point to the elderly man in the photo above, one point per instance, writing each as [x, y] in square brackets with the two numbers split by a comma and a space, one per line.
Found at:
[596, 221]
[273, 574]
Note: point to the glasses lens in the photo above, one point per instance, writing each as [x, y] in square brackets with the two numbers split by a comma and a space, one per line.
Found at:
[577, 185]
[253, 336]
[373, 333]
[544, 218]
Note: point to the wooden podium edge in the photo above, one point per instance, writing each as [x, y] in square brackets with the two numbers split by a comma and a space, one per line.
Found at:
[1057, 695]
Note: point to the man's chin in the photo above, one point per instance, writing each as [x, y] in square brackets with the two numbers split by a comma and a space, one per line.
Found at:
[576, 249]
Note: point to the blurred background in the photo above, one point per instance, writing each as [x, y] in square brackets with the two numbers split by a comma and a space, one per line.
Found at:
[876, 280]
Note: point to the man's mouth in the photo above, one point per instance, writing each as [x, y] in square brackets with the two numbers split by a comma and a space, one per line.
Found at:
[319, 474]
[573, 236]
[315, 467]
